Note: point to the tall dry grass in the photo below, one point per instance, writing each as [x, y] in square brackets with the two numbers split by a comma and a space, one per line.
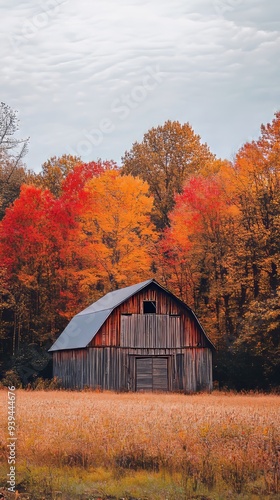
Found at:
[224, 442]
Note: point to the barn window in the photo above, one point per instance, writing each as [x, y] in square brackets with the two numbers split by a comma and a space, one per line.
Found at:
[149, 307]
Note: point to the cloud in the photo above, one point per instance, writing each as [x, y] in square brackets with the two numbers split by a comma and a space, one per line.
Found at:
[66, 64]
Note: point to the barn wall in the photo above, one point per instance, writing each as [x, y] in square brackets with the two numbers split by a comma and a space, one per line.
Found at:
[70, 367]
[189, 369]
[183, 329]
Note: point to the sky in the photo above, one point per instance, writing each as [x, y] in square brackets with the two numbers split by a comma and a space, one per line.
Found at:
[90, 78]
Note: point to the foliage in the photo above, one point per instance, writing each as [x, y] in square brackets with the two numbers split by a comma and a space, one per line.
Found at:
[165, 158]
[221, 254]
[43, 384]
[55, 171]
[117, 230]
[207, 229]
[11, 378]
[193, 252]
[11, 179]
[59, 254]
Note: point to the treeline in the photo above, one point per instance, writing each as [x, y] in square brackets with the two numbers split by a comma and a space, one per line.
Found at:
[209, 230]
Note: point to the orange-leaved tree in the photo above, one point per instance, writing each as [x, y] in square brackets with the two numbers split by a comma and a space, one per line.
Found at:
[117, 235]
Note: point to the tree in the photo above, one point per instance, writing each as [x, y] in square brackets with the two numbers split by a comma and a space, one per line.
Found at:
[117, 231]
[257, 181]
[55, 171]
[12, 151]
[29, 255]
[193, 252]
[11, 179]
[59, 254]
[40, 255]
[9, 124]
[166, 157]
[58, 172]
[222, 252]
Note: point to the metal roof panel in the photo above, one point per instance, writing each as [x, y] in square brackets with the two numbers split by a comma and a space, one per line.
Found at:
[115, 298]
[85, 325]
[80, 331]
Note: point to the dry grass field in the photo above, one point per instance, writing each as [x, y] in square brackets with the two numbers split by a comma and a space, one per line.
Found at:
[90, 445]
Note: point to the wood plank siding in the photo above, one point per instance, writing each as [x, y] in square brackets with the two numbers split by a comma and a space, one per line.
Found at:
[151, 330]
[155, 347]
[111, 368]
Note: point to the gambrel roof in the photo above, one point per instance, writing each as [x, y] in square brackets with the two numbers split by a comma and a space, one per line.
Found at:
[85, 325]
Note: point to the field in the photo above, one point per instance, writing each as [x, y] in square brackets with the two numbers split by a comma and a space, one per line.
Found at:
[89, 445]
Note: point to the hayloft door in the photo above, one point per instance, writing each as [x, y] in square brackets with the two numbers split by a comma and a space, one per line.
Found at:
[151, 374]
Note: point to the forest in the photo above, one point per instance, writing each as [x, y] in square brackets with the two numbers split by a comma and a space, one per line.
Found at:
[208, 229]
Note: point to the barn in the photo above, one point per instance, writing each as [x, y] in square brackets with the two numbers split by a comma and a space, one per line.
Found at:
[138, 338]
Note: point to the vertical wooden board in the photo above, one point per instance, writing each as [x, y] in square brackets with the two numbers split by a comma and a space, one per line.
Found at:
[180, 371]
[160, 374]
[144, 374]
[131, 373]
[189, 373]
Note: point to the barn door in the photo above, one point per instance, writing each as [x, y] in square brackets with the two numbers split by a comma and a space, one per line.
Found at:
[160, 374]
[151, 374]
[144, 374]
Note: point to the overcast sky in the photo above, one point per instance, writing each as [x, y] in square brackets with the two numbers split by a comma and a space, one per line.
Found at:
[91, 77]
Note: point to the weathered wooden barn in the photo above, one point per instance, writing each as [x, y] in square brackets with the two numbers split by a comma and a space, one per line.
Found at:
[138, 338]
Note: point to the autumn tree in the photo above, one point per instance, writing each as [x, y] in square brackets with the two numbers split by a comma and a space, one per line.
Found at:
[193, 252]
[11, 179]
[166, 157]
[257, 183]
[54, 171]
[222, 253]
[39, 247]
[59, 254]
[28, 255]
[117, 231]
